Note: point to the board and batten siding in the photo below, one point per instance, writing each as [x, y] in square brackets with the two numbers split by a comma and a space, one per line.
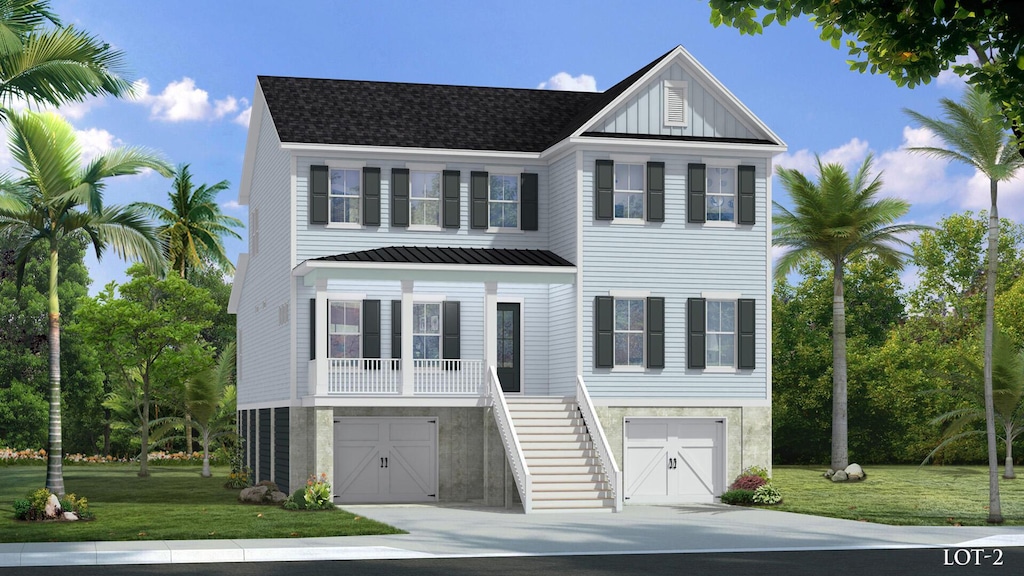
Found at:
[679, 261]
[315, 240]
[643, 114]
[562, 207]
[265, 349]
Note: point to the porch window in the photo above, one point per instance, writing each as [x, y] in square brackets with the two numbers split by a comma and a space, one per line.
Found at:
[425, 199]
[629, 332]
[344, 329]
[426, 331]
[721, 333]
[503, 201]
[345, 196]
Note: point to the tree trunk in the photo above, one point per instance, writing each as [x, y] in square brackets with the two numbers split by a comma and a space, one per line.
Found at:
[55, 450]
[1008, 466]
[840, 452]
[206, 452]
[144, 449]
[995, 511]
[188, 433]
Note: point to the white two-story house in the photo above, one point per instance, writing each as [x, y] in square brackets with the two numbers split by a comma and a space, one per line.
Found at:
[500, 295]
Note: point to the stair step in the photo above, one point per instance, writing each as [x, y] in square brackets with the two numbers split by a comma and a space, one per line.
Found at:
[547, 437]
[521, 423]
[559, 407]
[544, 476]
[539, 457]
[559, 429]
[590, 494]
[543, 415]
[534, 445]
[511, 400]
[547, 487]
[579, 464]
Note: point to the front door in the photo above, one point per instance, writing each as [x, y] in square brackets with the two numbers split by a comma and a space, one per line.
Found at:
[508, 347]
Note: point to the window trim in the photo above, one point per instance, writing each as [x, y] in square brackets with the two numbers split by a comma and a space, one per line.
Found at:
[734, 194]
[440, 325]
[359, 327]
[642, 366]
[731, 368]
[668, 86]
[642, 192]
[413, 226]
[491, 203]
[331, 223]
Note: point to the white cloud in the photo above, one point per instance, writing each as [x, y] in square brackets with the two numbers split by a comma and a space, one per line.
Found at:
[232, 205]
[850, 155]
[563, 81]
[948, 78]
[243, 117]
[1010, 198]
[94, 142]
[182, 101]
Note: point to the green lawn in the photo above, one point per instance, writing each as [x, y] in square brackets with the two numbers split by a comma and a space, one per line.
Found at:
[174, 503]
[903, 495]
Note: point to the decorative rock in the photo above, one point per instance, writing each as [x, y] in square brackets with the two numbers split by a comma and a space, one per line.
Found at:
[840, 476]
[276, 497]
[252, 494]
[829, 473]
[52, 507]
[855, 472]
[70, 516]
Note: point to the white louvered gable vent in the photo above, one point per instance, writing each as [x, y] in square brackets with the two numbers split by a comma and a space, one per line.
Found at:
[675, 103]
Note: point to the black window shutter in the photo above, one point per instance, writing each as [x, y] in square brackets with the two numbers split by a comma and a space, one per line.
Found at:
[451, 347]
[371, 328]
[478, 200]
[530, 199]
[745, 322]
[319, 183]
[371, 196]
[604, 196]
[400, 197]
[696, 186]
[396, 328]
[656, 191]
[695, 333]
[451, 210]
[604, 336]
[655, 332]
[312, 328]
[745, 187]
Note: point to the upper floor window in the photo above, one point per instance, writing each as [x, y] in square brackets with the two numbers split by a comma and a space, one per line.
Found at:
[721, 195]
[425, 199]
[629, 332]
[343, 329]
[629, 191]
[721, 333]
[426, 331]
[503, 201]
[344, 193]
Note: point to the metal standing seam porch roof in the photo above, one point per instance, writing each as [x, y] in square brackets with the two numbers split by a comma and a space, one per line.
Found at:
[441, 255]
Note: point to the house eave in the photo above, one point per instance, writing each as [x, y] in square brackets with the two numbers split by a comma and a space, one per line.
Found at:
[377, 151]
[313, 270]
[606, 143]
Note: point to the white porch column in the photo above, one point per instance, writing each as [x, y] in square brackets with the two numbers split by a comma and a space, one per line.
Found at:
[490, 325]
[322, 345]
[408, 373]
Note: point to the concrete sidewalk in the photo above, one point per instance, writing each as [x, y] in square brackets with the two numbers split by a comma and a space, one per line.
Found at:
[449, 531]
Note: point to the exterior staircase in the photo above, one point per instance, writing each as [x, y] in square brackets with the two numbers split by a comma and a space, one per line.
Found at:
[560, 454]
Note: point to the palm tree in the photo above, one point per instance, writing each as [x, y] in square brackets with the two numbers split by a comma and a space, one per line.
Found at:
[193, 226]
[838, 220]
[1007, 393]
[974, 134]
[52, 66]
[58, 198]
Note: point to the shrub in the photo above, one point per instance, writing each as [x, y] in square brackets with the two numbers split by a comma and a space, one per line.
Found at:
[239, 478]
[297, 501]
[38, 500]
[738, 497]
[756, 471]
[22, 508]
[748, 482]
[318, 493]
[79, 506]
[767, 494]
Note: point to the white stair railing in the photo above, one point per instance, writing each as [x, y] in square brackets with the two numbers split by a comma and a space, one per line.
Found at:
[604, 451]
[513, 450]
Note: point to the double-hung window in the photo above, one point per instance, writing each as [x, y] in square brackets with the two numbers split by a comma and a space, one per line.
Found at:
[426, 331]
[629, 191]
[425, 199]
[629, 332]
[344, 329]
[721, 194]
[344, 195]
[721, 333]
[503, 201]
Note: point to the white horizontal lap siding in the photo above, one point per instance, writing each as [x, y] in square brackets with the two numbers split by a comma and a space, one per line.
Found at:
[562, 207]
[266, 341]
[707, 116]
[534, 326]
[562, 340]
[314, 241]
[675, 260]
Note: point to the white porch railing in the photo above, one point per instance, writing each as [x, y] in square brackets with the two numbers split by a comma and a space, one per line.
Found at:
[461, 377]
[604, 451]
[364, 376]
[513, 450]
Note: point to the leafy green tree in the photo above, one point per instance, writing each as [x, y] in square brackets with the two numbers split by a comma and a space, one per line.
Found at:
[1007, 396]
[911, 41]
[150, 336]
[975, 136]
[193, 227]
[838, 220]
[58, 198]
[52, 65]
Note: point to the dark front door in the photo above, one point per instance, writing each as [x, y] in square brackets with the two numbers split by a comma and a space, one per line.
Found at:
[508, 347]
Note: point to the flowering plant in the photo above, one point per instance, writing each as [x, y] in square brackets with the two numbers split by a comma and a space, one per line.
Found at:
[318, 493]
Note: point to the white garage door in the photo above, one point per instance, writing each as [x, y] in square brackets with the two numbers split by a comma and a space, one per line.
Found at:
[385, 460]
[674, 460]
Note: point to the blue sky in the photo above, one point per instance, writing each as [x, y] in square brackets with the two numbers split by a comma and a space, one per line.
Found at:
[196, 62]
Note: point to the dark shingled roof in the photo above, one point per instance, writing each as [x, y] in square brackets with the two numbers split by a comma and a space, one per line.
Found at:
[361, 113]
[436, 255]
